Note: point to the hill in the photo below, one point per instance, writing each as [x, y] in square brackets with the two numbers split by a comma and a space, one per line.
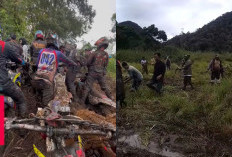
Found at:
[131, 36]
[132, 25]
[214, 36]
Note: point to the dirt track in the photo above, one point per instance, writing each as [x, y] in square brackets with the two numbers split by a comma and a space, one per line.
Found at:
[21, 147]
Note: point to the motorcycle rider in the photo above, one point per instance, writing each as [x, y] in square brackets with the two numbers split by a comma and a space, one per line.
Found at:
[47, 65]
[7, 87]
[97, 66]
[35, 48]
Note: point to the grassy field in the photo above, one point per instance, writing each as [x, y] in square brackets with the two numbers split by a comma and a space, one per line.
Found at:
[205, 111]
[111, 68]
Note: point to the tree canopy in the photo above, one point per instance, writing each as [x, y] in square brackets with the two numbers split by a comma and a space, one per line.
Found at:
[131, 36]
[214, 36]
[68, 18]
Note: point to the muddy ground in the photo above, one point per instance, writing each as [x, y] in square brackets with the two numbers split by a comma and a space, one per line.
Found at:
[17, 146]
[165, 143]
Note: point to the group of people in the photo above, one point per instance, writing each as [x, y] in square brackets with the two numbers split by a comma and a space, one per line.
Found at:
[44, 57]
[160, 67]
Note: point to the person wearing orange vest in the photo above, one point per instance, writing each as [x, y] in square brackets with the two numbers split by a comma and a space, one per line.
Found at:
[35, 48]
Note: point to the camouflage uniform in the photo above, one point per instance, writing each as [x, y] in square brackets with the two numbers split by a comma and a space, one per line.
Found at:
[97, 64]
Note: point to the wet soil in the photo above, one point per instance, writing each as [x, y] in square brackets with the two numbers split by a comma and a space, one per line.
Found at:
[17, 146]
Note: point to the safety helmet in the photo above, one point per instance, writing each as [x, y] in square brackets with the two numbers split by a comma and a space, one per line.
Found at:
[51, 40]
[39, 34]
[103, 41]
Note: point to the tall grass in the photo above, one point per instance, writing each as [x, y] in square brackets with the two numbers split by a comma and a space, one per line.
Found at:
[111, 68]
[208, 107]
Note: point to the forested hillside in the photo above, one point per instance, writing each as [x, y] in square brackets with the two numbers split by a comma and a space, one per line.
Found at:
[131, 36]
[68, 18]
[214, 36]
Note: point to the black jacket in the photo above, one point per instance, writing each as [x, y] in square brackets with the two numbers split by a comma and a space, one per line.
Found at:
[159, 68]
[7, 54]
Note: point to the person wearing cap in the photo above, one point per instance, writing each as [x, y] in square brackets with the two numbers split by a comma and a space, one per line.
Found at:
[35, 48]
[157, 80]
[47, 65]
[187, 71]
[97, 68]
[216, 68]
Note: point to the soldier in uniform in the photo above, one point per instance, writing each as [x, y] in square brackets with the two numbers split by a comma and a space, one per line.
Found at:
[97, 67]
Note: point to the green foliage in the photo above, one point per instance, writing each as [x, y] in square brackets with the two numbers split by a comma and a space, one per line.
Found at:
[131, 36]
[111, 69]
[174, 54]
[214, 36]
[208, 107]
[68, 18]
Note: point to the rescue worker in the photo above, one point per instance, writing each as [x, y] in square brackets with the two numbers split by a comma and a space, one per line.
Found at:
[97, 67]
[35, 48]
[47, 64]
[72, 72]
[216, 68]
[157, 80]
[187, 71]
[7, 87]
[134, 75]
[143, 62]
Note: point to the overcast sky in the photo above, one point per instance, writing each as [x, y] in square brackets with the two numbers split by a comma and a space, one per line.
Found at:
[172, 15]
[102, 21]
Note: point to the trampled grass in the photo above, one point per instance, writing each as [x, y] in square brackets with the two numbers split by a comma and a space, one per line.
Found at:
[207, 108]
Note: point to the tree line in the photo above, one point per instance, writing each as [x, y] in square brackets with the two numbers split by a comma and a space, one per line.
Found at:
[68, 18]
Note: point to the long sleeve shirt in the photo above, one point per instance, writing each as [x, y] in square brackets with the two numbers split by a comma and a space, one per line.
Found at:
[7, 52]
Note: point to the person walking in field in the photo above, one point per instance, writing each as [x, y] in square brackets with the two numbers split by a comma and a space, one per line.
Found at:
[187, 71]
[157, 80]
[134, 74]
[168, 63]
[143, 62]
[216, 68]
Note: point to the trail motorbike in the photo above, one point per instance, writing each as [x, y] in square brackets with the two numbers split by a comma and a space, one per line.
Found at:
[58, 125]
